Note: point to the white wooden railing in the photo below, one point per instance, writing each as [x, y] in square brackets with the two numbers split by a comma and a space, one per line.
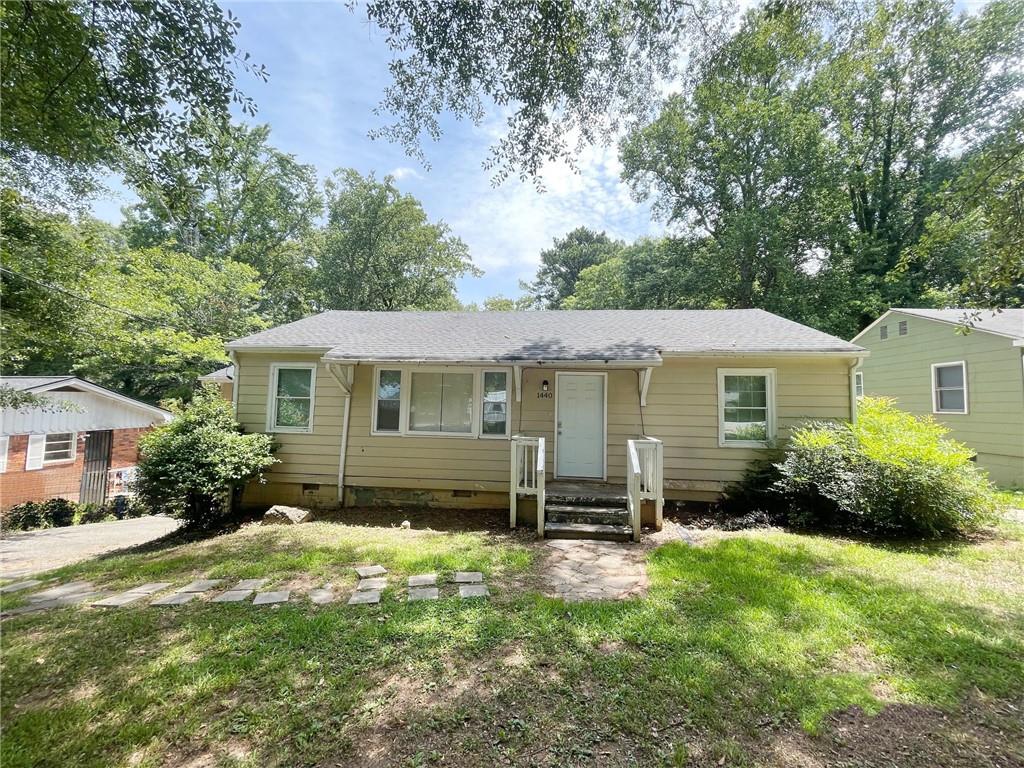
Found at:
[645, 479]
[527, 476]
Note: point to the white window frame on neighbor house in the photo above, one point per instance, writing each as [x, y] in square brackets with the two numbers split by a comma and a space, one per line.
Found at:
[73, 448]
[275, 369]
[769, 374]
[405, 398]
[858, 383]
[5, 444]
[935, 388]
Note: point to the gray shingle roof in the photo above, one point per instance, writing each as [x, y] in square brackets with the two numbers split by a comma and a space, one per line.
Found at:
[1008, 322]
[612, 335]
[227, 373]
[28, 383]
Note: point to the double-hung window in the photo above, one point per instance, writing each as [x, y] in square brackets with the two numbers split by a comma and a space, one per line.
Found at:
[746, 406]
[59, 446]
[292, 390]
[441, 401]
[949, 387]
[858, 383]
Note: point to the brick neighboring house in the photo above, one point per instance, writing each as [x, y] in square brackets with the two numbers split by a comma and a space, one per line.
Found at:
[82, 454]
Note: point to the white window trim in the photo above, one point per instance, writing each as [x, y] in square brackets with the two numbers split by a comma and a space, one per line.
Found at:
[74, 449]
[406, 395]
[508, 403]
[272, 397]
[858, 383]
[769, 374]
[5, 444]
[935, 390]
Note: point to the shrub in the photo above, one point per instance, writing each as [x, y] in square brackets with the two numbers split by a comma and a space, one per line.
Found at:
[58, 513]
[888, 474]
[93, 513]
[192, 467]
[22, 517]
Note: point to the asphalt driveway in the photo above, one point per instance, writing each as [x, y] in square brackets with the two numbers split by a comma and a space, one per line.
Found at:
[30, 552]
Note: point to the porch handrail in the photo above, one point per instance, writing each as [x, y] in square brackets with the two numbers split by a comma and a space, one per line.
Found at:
[646, 479]
[527, 476]
[633, 486]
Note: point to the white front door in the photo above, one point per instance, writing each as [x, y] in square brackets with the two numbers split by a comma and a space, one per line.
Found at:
[579, 425]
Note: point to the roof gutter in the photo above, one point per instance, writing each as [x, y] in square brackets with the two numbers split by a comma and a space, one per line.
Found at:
[858, 353]
[496, 361]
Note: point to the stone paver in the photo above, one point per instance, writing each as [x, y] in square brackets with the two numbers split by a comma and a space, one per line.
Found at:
[468, 577]
[177, 598]
[62, 591]
[423, 593]
[232, 596]
[473, 590]
[119, 601]
[365, 597]
[250, 584]
[57, 602]
[322, 596]
[270, 598]
[366, 571]
[371, 584]
[423, 580]
[20, 585]
[591, 570]
[151, 588]
[201, 585]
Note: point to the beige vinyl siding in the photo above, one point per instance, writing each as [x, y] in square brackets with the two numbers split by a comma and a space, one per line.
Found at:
[304, 458]
[900, 367]
[682, 410]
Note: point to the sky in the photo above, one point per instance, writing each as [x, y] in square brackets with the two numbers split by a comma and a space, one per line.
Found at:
[328, 70]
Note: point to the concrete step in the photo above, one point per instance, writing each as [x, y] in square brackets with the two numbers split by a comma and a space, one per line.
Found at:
[586, 514]
[587, 531]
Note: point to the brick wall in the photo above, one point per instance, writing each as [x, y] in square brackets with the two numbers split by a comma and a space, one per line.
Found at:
[59, 480]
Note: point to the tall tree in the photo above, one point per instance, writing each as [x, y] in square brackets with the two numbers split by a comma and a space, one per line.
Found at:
[561, 69]
[742, 159]
[380, 252]
[910, 89]
[252, 204]
[93, 85]
[561, 265]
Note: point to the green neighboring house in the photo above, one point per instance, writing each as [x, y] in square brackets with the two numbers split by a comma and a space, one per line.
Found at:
[970, 379]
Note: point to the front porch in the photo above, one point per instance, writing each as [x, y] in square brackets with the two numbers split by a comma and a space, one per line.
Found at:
[587, 509]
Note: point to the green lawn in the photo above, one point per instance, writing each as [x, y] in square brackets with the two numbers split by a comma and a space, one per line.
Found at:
[753, 648]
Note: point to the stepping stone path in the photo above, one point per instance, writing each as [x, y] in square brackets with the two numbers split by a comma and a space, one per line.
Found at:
[20, 585]
[579, 570]
[132, 595]
[202, 585]
[372, 582]
[240, 591]
[322, 596]
[366, 571]
[178, 598]
[423, 580]
[423, 593]
[270, 598]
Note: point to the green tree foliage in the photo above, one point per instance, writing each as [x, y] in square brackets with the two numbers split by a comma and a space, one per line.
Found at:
[562, 264]
[144, 321]
[251, 204]
[561, 69]
[108, 84]
[505, 304]
[840, 162]
[379, 251]
[192, 466]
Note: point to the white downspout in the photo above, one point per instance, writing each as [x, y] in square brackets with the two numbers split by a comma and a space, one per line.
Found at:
[234, 382]
[853, 389]
[346, 389]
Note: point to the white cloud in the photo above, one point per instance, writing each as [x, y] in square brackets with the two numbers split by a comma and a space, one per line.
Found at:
[405, 172]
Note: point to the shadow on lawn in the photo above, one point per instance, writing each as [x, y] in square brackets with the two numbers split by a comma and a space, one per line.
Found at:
[733, 638]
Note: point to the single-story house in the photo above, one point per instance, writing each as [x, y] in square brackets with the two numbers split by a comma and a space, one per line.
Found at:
[964, 368]
[83, 451]
[223, 379]
[507, 409]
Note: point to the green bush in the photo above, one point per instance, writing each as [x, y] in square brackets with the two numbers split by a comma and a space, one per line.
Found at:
[889, 474]
[58, 513]
[193, 466]
[22, 517]
[93, 513]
